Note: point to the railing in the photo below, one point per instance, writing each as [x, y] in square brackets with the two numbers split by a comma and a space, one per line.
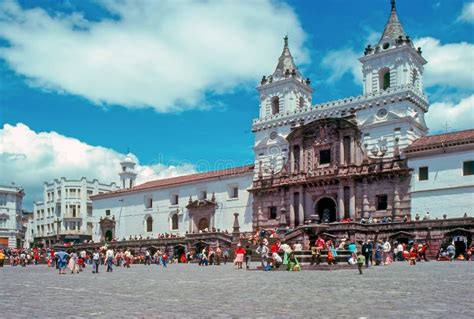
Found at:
[332, 106]
[372, 167]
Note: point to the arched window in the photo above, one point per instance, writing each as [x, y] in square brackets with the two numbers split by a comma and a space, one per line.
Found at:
[301, 102]
[174, 222]
[275, 105]
[384, 79]
[149, 224]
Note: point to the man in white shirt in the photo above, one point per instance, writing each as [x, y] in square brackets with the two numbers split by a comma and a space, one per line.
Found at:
[298, 247]
[386, 251]
[263, 250]
[400, 252]
[95, 262]
[109, 259]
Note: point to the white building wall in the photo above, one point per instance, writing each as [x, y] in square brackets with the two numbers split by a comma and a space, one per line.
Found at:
[11, 201]
[58, 199]
[446, 191]
[130, 212]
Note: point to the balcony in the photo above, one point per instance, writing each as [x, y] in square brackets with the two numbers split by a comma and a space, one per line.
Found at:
[75, 232]
[328, 175]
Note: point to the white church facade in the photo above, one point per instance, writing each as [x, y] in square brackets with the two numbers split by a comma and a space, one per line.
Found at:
[338, 160]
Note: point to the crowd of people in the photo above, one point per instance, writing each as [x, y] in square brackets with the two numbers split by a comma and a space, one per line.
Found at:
[362, 253]
[270, 250]
[161, 235]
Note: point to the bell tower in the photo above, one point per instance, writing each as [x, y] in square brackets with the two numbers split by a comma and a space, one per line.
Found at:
[392, 73]
[127, 173]
[285, 90]
[282, 94]
[393, 62]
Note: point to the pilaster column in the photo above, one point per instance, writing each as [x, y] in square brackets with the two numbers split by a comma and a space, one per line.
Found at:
[352, 201]
[352, 150]
[292, 209]
[301, 206]
[365, 201]
[292, 159]
[340, 201]
[301, 157]
[396, 201]
[341, 149]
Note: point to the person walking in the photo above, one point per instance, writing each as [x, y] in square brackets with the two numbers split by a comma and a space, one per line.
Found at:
[225, 255]
[360, 262]
[164, 259]
[2, 258]
[61, 261]
[239, 256]
[378, 253]
[95, 261]
[147, 258]
[367, 251]
[72, 264]
[386, 251]
[109, 259]
[128, 258]
[218, 255]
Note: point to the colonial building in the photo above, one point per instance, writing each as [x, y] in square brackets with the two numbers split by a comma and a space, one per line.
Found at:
[65, 214]
[442, 181]
[11, 231]
[179, 205]
[341, 159]
[350, 159]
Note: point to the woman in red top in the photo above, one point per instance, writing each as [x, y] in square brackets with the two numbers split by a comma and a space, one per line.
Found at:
[413, 254]
[275, 248]
[239, 256]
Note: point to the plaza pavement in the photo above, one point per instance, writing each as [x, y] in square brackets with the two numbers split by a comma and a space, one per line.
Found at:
[427, 290]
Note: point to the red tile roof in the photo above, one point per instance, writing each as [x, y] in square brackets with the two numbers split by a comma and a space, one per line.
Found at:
[447, 139]
[174, 181]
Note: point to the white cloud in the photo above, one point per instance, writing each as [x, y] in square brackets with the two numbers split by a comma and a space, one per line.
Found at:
[467, 14]
[162, 54]
[31, 158]
[458, 116]
[449, 65]
[340, 62]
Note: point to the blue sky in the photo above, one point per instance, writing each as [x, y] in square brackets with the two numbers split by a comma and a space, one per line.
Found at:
[180, 87]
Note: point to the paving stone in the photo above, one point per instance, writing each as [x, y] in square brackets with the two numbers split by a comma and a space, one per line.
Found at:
[427, 290]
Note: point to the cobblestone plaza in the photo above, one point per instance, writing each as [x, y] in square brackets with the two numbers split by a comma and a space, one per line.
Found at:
[427, 290]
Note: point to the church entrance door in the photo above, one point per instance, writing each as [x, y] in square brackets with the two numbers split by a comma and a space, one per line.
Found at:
[326, 209]
[203, 224]
[108, 235]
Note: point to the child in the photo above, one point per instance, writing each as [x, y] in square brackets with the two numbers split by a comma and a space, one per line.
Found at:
[360, 261]
[293, 264]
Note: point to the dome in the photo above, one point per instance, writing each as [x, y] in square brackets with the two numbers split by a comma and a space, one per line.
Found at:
[128, 159]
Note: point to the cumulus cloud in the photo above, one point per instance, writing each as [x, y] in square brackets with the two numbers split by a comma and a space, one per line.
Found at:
[467, 13]
[162, 54]
[340, 62]
[31, 158]
[449, 65]
[458, 116]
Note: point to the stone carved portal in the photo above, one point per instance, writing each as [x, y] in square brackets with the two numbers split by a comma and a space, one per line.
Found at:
[107, 228]
[201, 214]
[326, 210]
